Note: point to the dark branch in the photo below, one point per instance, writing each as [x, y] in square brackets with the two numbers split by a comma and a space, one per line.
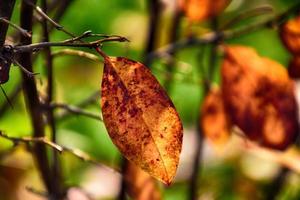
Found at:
[41, 45]
[55, 165]
[22, 31]
[155, 8]
[33, 102]
[6, 9]
[76, 110]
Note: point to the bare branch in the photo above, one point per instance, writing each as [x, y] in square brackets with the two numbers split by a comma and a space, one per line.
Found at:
[61, 149]
[76, 53]
[12, 97]
[6, 9]
[76, 110]
[44, 15]
[18, 28]
[41, 45]
[266, 9]
[26, 71]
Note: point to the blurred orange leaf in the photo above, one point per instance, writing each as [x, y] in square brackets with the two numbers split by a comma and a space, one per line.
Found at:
[199, 10]
[290, 35]
[259, 97]
[139, 185]
[214, 120]
[140, 118]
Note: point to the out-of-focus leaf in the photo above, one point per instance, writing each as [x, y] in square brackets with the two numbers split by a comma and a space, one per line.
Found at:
[139, 184]
[259, 97]
[290, 35]
[294, 68]
[200, 10]
[140, 118]
[214, 119]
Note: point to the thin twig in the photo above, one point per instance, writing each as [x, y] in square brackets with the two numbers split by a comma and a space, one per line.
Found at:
[6, 97]
[76, 110]
[6, 10]
[78, 38]
[37, 46]
[73, 52]
[86, 34]
[266, 9]
[18, 28]
[26, 71]
[89, 100]
[97, 43]
[61, 149]
[55, 165]
[43, 14]
[12, 97]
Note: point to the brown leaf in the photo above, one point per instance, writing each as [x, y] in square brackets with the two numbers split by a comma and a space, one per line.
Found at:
[214, 120]
[139, 184]
[140, 118]
[259, 97]
[294, 67]
[200, 10]
[290, 35]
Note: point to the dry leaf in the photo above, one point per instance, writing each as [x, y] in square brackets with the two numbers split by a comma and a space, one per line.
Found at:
[290, 35]
[139, 184]
[259, 97]
[140, 118]
[214, 119]
[294, 68]
[200, 10]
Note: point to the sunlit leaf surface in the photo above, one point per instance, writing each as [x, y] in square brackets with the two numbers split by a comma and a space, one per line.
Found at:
[259, 97]
[140, 118]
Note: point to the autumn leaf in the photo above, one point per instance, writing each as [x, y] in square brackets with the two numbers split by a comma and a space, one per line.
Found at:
[200, 10]
[290, 35]
[259, 97]
[214, 121]
[140, 118]
[139, 184]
